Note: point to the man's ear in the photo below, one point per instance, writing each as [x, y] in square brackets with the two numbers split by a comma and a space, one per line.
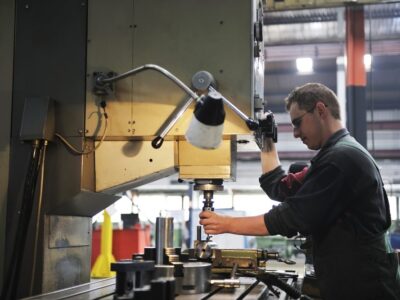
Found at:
[322, 109]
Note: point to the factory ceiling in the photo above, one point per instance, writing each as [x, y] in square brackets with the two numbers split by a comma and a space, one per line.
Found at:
[327, 25]
[320, 34]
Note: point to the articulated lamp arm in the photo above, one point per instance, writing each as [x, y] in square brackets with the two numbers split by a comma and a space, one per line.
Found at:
[103, 81]
[202, 81]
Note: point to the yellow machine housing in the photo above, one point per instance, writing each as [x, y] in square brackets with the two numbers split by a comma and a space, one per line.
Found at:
[183, 37]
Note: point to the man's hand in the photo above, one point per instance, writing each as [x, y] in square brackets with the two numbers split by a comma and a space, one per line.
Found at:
[214, 223]
[266, 134]
[266, 144]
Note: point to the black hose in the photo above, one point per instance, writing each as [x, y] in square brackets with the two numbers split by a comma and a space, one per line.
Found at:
[272, 279]
[38, 213]
[10, 286]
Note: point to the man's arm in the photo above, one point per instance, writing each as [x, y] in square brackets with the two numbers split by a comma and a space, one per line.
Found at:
[269, 157]
[215, 224]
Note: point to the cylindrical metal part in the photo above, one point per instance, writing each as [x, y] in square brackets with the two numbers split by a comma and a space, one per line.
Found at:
[202, 80]
[208, 203]
[164, 237]
[196, 278]
[198, 236]
[204, 249]
[163, 271]
[226, 283]
[171, 255]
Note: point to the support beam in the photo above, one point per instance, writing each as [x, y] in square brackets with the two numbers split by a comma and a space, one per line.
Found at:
[355, 74]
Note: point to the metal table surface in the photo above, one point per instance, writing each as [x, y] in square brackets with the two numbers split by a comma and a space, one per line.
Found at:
[104, 289]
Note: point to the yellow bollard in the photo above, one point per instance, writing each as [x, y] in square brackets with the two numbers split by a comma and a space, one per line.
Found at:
[102, 266]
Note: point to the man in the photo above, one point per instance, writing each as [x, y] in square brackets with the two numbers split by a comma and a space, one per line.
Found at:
[339, 200]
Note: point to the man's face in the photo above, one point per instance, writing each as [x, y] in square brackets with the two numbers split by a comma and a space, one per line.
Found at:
[306, 126]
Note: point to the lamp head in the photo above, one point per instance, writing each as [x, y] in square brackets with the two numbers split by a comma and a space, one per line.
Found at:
[206, 127]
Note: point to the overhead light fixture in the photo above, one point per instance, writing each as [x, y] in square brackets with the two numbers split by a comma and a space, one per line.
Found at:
[207, 124]
[305, 65]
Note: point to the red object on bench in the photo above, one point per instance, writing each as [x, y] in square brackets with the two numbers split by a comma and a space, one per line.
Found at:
[125, 242]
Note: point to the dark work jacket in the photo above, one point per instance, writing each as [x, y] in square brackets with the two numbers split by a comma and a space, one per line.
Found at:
[343, 205]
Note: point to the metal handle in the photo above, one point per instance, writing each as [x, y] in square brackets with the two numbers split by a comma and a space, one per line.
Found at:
[251, 124]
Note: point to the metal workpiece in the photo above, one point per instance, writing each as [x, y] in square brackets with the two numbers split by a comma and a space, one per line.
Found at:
[164, 237]
[204, 249]
[164, 271]
[244, 258]
[195, 278]
[126, 279]
[171, 255]
[226, 283]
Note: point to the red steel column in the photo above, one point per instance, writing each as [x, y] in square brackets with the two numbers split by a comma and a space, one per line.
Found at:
[355, 74]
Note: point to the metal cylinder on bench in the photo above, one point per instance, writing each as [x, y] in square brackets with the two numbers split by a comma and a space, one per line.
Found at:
[164, 237]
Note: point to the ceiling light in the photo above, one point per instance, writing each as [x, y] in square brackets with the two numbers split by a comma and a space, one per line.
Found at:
[304, 65]
[367, 62]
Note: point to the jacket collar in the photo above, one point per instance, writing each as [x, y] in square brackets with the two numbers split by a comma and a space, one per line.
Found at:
[334, 138]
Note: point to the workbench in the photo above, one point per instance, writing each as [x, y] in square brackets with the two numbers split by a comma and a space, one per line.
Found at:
[104, 289]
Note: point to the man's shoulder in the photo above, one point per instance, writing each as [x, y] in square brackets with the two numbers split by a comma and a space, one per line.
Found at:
[349, 146]
[348, 152]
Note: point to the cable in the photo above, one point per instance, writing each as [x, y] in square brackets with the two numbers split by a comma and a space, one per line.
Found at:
[83, 152]
[10, 286]
[38, 212]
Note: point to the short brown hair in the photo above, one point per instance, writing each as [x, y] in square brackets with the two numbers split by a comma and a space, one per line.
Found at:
[306, 96]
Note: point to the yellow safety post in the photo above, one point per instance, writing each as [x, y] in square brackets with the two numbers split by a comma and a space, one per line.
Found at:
[102, 266]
